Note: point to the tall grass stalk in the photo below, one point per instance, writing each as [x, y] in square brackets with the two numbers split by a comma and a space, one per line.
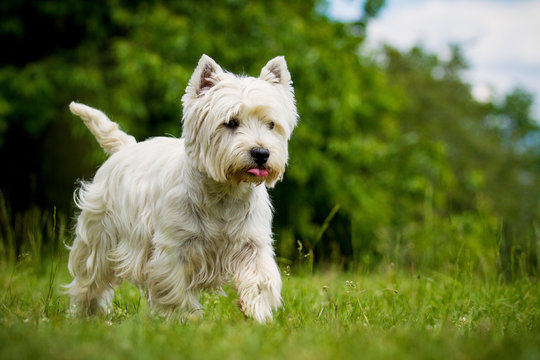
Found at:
[8, 249]
[55, 261]
[307, 260]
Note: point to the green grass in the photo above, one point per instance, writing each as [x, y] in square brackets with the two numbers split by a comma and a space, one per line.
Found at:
[391, 314]
[464, 310]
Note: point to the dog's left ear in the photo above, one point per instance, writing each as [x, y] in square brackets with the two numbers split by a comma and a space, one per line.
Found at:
[276, 72]
[204, 76]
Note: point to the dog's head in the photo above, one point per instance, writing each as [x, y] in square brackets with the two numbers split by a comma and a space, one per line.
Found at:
[236, 128]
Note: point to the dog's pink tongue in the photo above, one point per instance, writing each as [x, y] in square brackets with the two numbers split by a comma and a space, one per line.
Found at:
[258, 172]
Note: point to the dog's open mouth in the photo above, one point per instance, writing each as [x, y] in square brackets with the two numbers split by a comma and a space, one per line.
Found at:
[258, 172]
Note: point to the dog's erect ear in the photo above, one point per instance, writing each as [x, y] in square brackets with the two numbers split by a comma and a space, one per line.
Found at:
[204, 76]
[276, 72]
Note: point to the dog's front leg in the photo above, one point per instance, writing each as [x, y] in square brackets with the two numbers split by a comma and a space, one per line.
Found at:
[258, 282]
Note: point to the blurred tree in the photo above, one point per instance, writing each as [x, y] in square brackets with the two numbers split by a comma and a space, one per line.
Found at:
[516, 122]
[403, 148]
[491, 147]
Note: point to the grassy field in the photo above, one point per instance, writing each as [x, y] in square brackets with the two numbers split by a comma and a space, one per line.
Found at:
[331, 315]
[389, 313]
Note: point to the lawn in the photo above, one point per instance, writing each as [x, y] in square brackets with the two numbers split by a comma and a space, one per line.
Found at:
[390, 313]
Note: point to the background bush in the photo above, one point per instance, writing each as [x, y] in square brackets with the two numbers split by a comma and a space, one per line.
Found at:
[393, 159]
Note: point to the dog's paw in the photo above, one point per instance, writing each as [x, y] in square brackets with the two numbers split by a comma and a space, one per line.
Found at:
[259, 301]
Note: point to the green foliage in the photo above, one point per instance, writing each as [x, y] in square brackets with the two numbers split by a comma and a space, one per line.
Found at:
[393, 140]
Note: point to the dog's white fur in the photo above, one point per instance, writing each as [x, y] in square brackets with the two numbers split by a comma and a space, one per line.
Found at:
[176, 216]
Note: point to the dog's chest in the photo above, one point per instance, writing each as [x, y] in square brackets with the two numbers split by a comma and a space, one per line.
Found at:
[223, 220]
[216, 240]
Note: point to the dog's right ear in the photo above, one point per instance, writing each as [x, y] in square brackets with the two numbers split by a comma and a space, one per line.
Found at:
[276, 72]
[204, 76]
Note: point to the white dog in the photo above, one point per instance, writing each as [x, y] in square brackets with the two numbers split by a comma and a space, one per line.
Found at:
[176, 216]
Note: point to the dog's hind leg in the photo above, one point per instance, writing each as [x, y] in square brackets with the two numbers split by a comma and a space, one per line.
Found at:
[93, 284]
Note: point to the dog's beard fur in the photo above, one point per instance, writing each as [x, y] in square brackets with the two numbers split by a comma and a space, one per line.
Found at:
[176, 216]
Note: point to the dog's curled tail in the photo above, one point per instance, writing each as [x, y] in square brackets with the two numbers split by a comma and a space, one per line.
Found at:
[107, 133]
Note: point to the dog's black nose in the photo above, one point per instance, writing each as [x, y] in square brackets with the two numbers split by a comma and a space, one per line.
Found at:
[260, 155]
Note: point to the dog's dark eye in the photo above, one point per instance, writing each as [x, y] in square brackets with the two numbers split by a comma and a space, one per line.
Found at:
[271, 125]
[232, 123]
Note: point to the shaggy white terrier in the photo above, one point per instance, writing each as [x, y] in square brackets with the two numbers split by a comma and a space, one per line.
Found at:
[176, 216]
